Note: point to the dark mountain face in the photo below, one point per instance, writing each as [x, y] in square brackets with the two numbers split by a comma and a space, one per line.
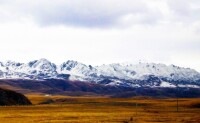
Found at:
[78, 88]
[8, 97]
[62, 87]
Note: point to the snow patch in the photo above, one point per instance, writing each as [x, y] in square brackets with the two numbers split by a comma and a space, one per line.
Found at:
[167, 84]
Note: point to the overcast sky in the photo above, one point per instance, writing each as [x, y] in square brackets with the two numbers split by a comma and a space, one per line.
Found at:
[101, 31]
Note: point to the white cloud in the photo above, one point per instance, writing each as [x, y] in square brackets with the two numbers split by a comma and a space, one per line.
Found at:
[101, 13]
[98, 13]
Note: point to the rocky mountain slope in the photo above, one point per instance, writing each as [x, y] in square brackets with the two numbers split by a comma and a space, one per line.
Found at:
[126, 75]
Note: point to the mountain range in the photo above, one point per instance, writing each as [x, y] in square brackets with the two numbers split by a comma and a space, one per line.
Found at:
[125, 74]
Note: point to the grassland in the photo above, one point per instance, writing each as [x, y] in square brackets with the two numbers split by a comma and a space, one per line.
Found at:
[102, 110]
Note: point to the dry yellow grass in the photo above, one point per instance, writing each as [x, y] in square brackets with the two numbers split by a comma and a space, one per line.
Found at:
[102, 110]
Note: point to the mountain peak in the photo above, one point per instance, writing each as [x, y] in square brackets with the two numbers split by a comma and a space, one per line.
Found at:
[12, 63]
[42, 67]
[43, 60]
[70, 64]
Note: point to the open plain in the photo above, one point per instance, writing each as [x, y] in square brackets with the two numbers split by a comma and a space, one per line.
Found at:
[62, 109]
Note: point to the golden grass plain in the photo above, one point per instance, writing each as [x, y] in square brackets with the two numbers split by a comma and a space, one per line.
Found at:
[67, 109]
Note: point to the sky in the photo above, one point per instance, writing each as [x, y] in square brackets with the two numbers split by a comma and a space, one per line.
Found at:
[101, 31]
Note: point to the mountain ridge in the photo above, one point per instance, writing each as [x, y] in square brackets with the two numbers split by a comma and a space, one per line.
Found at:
[124, 74]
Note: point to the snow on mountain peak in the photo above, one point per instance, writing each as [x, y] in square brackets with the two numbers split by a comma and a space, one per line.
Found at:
[12, 63]
[77, 70]
[68, 65]
[126, 74]
[42, 66]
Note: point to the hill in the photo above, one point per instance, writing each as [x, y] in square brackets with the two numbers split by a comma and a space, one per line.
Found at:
[8, 97]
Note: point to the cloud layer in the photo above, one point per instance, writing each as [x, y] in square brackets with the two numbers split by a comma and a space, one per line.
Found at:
[101, 31]
[101, 13]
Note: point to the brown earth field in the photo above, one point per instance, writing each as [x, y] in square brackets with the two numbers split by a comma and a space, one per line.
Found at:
[69, 109]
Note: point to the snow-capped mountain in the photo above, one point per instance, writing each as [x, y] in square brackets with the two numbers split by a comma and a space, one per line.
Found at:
[130, 75]
[77, 71]
[37, 69]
